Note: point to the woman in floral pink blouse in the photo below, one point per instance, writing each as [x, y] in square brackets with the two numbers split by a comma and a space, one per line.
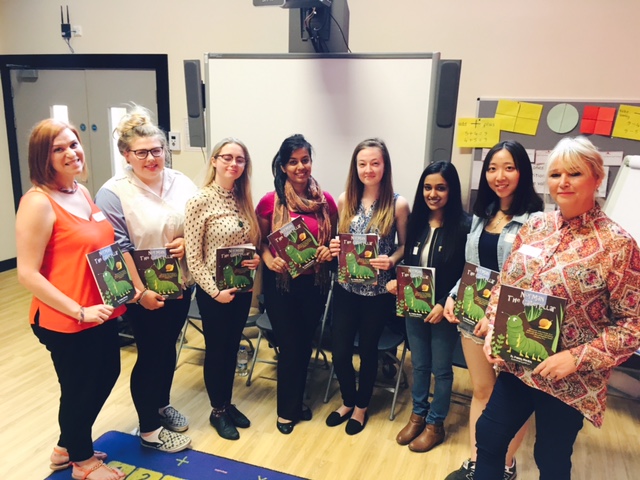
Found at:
[580, 254]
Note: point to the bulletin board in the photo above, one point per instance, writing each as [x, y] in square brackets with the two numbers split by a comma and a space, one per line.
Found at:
[545, 138]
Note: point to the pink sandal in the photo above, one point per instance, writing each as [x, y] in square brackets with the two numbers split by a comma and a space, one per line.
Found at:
[66, 464]
[85, 472]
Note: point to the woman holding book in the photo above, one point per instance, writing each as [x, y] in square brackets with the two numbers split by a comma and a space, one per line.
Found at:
[505, 199]
[145, 204]
[295, 305]
[57, 225]
[436, 238]
[221, 215]
[581, 255]
[368, 205]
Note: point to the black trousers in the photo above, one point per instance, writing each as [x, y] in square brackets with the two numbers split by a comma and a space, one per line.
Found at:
[294, 316]
[222, 324]
[87, 364]
[366, 316]
[156, 333]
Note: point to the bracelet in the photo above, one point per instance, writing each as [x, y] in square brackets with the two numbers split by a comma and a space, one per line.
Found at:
[142, 295]
[217, 294]
[81, 320]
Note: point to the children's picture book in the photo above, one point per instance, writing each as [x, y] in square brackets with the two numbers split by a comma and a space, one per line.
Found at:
[416, 291]
[111, 275]
[295, 245]
[527, 326]
[229, 270]
[473, 295]
[159, 271]
[354, 261]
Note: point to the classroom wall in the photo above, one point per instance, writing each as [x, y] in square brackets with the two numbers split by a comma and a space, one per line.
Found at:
[581, 49]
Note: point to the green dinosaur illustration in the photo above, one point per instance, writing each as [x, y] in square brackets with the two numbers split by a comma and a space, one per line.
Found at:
[469, 307]
[300, 257]
[234, 281]
[356, 270]
[117, 289]
[163, 287]
[518, 341]
[414, 304]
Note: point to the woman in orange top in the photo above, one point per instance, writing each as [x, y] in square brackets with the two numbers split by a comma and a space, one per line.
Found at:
[57, 224]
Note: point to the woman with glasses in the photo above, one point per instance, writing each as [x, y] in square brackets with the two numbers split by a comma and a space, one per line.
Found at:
[221, 215]
[295, 305]
[145, 204]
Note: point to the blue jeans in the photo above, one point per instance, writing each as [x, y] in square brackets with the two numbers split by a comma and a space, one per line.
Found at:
[511, 404]
[432, 348]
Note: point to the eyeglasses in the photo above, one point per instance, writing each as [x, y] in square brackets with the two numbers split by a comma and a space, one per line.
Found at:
[240, 161]
[143, 153]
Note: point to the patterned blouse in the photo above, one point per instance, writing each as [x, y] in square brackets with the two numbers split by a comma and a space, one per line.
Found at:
[212, 220]
[386, 246]
[595, 264]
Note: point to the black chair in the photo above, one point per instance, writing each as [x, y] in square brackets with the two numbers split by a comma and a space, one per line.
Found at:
[387, 348]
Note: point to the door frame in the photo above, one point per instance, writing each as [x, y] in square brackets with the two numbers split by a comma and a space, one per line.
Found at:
[157, 62]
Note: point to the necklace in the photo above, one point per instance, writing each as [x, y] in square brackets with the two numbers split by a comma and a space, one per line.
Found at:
[69, 191]
[497, 225]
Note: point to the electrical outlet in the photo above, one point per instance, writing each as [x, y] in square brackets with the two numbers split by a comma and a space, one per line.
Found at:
[174, 141]
[76, 30]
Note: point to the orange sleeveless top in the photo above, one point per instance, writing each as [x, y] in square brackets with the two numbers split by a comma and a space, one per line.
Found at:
[65, 265]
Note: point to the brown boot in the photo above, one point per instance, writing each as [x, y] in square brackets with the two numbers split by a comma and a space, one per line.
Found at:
[411, 430]
[432, 435]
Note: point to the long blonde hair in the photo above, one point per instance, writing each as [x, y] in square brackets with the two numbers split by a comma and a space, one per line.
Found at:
[241, 187]
[384, 214]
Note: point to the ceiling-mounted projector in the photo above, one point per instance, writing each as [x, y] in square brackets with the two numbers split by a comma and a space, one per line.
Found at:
[292, 3]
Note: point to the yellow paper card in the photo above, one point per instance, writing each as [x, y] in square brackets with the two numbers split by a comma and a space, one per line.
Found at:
[478, 132]
[627, 123]
[526, 126]
[508, 108]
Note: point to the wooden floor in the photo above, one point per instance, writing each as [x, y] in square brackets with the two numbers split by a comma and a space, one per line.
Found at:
[28, 425]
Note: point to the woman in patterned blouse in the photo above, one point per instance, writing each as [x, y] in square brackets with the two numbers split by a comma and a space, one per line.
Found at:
[580, 254]
[367, 206]
[221, 215]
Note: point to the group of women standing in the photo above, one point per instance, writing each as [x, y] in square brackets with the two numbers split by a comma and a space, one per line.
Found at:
[152, 206]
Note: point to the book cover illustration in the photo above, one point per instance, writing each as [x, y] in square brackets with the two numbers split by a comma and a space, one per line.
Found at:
[295, 245]
[473, 295]
[111, 275]
[416, 291]
[527, 326]
[354, 261]
[229, 270]
[159, 271]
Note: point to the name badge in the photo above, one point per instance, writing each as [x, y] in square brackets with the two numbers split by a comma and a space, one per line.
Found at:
[98, 216]
[415, 250]
[509, 237]
[530, 251]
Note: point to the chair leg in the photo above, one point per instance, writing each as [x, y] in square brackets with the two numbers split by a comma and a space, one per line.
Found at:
[326, 393]
[400, 373]
[183, 335]
[254, 359]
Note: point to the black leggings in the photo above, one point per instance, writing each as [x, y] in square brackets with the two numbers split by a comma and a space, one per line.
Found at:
[87, 364]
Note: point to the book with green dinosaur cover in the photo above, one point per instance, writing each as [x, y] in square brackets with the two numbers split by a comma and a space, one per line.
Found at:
[159, 271]
[111, 275]
[527, 326]
[295, 245]
[474, 294]
[229, 270]
[416, 291]
[354, 261]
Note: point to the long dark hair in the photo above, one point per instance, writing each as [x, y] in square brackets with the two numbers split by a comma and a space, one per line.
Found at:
[289, 145]
[454, 217]
[525, 198]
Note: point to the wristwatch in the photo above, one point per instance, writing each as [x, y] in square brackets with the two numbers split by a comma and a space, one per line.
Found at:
[454, 296]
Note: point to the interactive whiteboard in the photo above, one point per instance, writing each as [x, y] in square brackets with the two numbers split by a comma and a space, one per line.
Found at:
[334, 100]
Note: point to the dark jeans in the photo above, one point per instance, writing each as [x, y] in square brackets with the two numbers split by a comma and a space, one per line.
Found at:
[222, 324]
[432, 348]
[511, 404]
[87, 364]
[294, 316]
[366, 316]
[156, 333]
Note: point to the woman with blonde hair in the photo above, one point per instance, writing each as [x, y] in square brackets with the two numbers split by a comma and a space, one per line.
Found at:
[368, 205]
[221, 214]
[145, 204]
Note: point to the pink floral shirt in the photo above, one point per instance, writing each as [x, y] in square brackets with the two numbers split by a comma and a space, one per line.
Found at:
[595, 264]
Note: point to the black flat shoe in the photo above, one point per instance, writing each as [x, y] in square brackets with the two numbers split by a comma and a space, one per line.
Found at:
[354, 427]
[306, 414]
[237, 417]
[334, 419]
[285, 428]
[224, 426]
